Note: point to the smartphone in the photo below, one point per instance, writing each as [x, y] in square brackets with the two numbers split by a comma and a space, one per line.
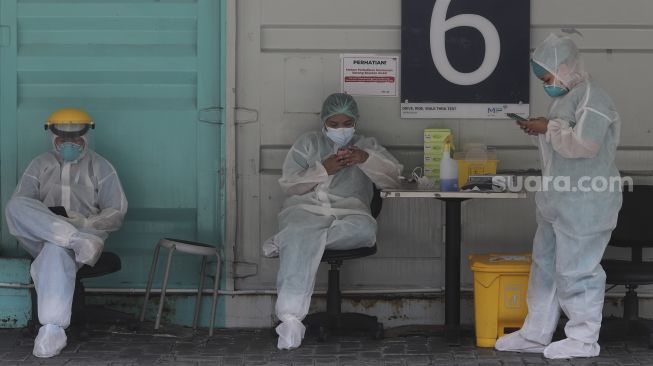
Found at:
[516, 117]
[59, 210]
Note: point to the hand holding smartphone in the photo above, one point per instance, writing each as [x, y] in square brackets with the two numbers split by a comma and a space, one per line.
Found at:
[343, 151]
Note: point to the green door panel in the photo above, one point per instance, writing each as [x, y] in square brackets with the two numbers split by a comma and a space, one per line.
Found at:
[146, 71]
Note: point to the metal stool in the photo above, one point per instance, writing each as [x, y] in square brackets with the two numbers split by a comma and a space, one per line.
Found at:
[190, 247]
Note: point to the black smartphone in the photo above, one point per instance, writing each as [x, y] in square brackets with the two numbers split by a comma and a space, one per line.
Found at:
[516, 117]
[59, 210]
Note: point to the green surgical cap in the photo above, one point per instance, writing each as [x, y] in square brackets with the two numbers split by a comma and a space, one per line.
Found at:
[339, 103]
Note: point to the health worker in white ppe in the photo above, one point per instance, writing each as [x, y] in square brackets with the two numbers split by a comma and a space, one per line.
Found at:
[328, 176]
[577, 142]
[74, 181]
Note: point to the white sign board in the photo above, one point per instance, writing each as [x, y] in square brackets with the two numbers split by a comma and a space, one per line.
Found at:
[369, 75]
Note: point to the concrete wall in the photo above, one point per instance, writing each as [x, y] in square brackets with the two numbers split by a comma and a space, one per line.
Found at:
[287, 61]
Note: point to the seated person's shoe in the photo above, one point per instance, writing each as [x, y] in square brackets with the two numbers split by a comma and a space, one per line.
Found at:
[87, 247]
[515, 342]
[570, 348]
[50, 341]
[291, 332]
[270, 248]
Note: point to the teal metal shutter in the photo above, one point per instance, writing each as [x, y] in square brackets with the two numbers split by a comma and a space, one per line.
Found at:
[150, 73]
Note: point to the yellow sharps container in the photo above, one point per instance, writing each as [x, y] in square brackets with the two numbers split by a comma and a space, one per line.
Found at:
[500, 284]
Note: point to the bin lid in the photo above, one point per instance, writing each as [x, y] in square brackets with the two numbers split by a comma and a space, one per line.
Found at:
[504, 263]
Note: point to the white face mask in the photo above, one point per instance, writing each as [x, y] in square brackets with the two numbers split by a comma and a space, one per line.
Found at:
[341, 136]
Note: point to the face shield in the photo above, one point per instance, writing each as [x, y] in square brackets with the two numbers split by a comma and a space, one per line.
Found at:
[70, 133]
[70, 141]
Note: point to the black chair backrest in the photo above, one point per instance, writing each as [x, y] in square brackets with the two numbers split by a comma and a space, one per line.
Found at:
[635, 224]
[377, 202]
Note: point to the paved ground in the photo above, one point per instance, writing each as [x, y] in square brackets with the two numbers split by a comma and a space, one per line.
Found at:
[117, 345]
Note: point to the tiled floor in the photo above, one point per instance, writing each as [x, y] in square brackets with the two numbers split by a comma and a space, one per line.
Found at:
[117, 345]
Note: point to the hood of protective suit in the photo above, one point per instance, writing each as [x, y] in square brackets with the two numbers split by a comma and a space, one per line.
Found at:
[560, 57]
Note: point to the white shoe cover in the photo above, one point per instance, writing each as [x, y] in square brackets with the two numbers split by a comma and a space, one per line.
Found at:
[570, 348]
[515, 342]
[87, 247]
[50, 341]
[291, 332]
[270, 248]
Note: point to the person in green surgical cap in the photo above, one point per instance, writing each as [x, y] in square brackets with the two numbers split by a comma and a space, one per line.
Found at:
[328, 176]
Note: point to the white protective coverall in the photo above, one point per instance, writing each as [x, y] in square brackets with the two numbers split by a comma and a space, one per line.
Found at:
[90, 191]
[322, 211]
[574, 223]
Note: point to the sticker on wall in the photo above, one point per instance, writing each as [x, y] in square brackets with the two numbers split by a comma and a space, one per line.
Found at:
[369, 75]
[464, 58]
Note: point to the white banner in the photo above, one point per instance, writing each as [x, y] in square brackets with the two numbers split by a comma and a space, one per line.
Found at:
[369, 75]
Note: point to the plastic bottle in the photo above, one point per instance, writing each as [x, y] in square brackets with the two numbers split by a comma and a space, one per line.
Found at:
[448, 171]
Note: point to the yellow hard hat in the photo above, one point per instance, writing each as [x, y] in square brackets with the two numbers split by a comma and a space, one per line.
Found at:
[69, 116]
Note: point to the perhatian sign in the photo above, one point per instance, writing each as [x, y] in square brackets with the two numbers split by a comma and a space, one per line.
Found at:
[464, 58]
[369, 75]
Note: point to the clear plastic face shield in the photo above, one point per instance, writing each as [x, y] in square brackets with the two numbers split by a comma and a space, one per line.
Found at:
[70, 141]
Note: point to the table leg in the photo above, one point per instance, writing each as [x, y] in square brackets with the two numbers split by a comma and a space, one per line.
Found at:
[452, 271]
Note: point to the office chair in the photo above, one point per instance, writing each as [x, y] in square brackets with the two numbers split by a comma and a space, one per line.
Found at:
[333, 320]
[635, 231]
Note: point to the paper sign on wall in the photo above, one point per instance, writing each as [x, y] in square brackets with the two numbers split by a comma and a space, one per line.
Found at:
[369, 75]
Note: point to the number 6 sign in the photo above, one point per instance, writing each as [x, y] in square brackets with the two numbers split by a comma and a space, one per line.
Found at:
[464, 58]
[440, 25]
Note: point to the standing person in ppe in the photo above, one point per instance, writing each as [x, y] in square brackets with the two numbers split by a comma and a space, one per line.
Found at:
[328, 176]
[85, 184]
[577, 141]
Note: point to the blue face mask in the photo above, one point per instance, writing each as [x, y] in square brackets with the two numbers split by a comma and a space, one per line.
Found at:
[70, 151]
[341, 136]
[555, 91]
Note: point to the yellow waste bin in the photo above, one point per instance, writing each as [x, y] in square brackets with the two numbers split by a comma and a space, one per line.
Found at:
[500, 284]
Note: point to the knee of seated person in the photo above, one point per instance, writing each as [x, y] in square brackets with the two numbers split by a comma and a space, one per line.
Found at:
[53, 250]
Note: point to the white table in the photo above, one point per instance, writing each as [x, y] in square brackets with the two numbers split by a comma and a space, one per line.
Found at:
[452, 201]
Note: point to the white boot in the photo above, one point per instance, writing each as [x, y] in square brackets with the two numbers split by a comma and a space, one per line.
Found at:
[291, 332]
[270, 248]
[87, 247]
[50, 341]
[515, 342]
[570, 348]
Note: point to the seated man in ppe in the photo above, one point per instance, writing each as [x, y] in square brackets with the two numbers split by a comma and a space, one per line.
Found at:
[71, 180]
[328, 176]
[577, 143]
